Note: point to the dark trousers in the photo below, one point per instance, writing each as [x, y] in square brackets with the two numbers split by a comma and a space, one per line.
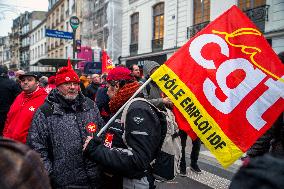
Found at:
[194, 151]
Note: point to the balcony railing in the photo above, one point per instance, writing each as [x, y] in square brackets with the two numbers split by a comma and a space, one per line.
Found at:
[191, 31]
[133, 48]
[258, 15]
[157, 44]
[13, 65]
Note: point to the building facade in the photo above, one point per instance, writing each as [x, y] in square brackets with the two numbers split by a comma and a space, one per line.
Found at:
[14, 38]
[102, 26]
[58, 16]
[20, 38]
[5, 51]
[155, 29]
[38, 47]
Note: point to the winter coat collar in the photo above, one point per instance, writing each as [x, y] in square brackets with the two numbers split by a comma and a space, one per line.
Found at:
[61, 105]
[38, 92]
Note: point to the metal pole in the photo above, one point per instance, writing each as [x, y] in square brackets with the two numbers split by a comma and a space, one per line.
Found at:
[74, 42]
[120, 109]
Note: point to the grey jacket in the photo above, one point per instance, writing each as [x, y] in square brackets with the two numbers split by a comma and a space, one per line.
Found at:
[152, 92]
[58, 132]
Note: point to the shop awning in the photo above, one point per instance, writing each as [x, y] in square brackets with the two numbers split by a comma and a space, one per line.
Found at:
[56, 62]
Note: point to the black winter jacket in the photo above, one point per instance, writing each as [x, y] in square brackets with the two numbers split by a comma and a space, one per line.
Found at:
[58, 133]
[272, 141]
[9, 90]
[102, 100]
[130, 155]
[92, 90]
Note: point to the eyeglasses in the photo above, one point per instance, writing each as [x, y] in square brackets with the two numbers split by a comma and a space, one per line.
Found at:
[69, 84]
[111, 83]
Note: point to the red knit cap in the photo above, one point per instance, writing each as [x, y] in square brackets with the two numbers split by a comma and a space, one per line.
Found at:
[66, 74]
[119, 73]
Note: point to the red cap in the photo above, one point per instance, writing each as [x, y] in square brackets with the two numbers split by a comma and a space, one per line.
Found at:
[66, 74]
[119, 73]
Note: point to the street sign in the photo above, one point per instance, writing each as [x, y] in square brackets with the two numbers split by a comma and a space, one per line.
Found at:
[58, 34]
[93, 68]
[74, 22]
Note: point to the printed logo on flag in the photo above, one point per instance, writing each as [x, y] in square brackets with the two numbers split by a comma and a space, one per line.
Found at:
[228, 84]
[107, 63]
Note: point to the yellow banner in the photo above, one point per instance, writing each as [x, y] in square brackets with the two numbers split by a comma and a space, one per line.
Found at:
[201, 122]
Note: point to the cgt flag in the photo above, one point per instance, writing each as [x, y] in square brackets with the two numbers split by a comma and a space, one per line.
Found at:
[107, 63]
[226, 82]
[183, 124]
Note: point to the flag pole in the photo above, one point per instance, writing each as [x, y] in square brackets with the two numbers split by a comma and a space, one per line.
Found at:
[122, 107]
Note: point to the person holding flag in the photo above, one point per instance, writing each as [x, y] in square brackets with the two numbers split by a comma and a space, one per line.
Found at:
[128, 148]
[154, 94]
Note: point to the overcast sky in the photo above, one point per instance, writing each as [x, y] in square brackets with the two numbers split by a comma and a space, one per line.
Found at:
[11, 9]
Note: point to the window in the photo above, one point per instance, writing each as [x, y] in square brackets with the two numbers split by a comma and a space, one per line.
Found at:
[100, 18]
[158, 27]
[134, 28]
[256, 10]
[67, 26]
[249, 4]
[133, 48]
[201, 17]
[158, 19]
[201, 11]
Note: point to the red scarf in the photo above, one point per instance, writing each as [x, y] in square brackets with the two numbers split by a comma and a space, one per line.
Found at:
[122, 96]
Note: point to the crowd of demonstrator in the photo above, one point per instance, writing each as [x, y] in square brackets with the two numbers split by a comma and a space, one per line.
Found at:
[47, 142]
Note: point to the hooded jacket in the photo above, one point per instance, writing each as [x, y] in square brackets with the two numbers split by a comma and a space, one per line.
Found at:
[58, 133]
[152, 92]
[21, 112]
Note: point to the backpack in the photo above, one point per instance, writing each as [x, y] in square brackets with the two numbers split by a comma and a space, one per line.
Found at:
[166, 163]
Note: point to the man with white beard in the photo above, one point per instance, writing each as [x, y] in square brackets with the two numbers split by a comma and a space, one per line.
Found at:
[59, 129]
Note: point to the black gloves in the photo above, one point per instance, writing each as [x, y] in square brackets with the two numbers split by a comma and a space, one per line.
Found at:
[91, 147]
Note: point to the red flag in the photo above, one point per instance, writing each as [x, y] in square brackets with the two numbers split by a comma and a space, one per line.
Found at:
[107, 63]
[183, 124]
[228, 84]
